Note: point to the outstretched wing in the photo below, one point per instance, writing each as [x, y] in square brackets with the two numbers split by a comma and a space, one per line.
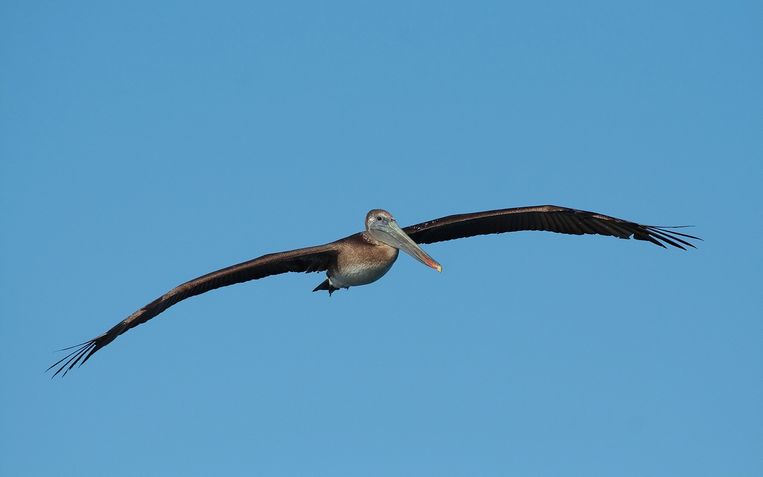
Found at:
[544, 217]
[311, 259]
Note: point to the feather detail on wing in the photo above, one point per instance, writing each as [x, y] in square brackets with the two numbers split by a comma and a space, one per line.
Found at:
[311, 259]
[545, 217]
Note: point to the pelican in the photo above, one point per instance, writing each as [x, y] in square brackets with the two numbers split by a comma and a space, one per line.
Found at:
[364, 257]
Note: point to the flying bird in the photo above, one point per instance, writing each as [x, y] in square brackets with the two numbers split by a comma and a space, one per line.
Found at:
[364, 257]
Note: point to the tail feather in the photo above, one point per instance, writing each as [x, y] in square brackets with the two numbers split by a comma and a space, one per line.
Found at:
[326, 286]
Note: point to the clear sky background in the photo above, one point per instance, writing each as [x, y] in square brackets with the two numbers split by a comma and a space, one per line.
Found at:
[145, 143]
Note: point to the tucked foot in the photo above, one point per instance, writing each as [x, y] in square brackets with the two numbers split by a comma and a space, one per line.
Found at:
[326, 286]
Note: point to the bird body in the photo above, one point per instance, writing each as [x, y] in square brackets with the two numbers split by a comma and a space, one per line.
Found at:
[360, 260]
[364, 257]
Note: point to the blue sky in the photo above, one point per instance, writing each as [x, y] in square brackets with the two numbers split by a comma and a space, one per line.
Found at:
[145, 143]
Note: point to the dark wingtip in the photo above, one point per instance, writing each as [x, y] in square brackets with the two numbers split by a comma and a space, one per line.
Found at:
[79, 356]
[662, 235]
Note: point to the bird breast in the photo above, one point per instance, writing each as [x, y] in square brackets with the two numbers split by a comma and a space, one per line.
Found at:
[362, 263]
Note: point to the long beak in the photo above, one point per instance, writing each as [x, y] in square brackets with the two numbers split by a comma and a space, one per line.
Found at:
[393, 235]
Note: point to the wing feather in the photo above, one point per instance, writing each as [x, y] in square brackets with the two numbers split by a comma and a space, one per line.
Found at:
[311, 259]
[549, 218]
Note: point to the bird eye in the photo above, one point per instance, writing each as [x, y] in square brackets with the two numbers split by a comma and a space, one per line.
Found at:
[378, 217]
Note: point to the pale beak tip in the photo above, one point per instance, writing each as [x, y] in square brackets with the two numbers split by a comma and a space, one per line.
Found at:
[438, 268]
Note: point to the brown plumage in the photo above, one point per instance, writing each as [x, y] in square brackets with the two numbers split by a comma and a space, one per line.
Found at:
[310, 259]
[550, 218]
[365, 257]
